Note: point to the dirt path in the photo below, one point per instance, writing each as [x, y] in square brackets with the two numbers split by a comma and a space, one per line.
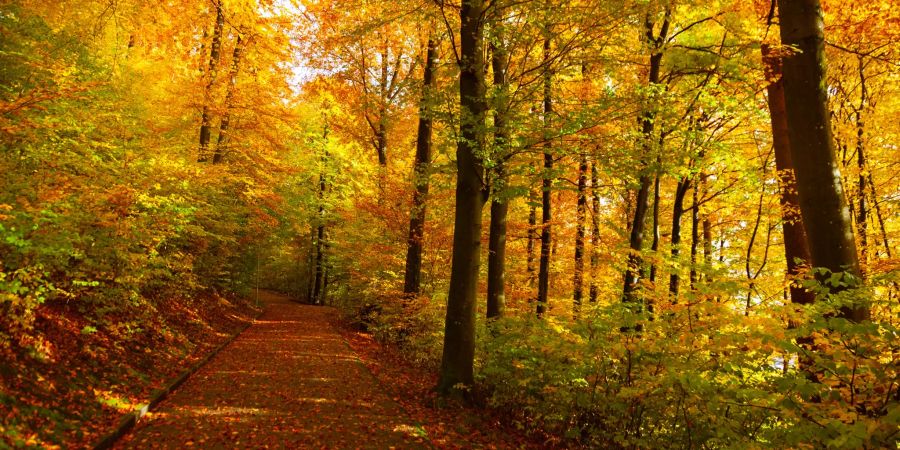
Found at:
[289, 381]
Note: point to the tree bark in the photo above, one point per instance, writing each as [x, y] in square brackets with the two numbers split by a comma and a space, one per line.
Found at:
[496, 284]
[221, 141]
[595, 230]
[695, 235]
[320, 280]
[636, 240]
[796, 251]
[822, 204]
[580, 212]
[862, 210]
[532, 236]
[654, 246]
[677, 213]
[459, 332]
[214, 51]
[546, 191]
[421, 168]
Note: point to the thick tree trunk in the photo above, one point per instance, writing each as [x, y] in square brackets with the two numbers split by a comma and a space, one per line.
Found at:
[459, 332]
[214, 52]
[796, 251]
[595, 230]
[580, 213]
[547, 190]
[421, 168]
[496, 284]
[822, 205]
[221, 141]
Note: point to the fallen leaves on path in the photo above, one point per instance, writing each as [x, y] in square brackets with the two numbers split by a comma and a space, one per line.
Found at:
[289, 381]
[447, 426]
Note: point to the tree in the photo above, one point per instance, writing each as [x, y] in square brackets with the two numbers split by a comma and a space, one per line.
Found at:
[796, 250]
[458, 354]
[496, 277]
[647, 122]
[421, 167]
[211, 74]
[546, 182]
[819, 185]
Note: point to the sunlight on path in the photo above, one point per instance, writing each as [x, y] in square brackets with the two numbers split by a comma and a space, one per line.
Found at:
[288, 381]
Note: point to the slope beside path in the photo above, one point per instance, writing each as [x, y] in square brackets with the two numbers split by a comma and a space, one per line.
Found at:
[288, 381]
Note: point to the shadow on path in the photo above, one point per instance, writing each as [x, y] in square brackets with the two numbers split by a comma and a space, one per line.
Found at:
[289, 381]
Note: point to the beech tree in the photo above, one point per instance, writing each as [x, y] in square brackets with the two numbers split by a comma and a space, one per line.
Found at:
[457, 369]
[826, 217]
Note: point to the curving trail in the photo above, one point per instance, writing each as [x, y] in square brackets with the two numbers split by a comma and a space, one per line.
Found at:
[289, 381]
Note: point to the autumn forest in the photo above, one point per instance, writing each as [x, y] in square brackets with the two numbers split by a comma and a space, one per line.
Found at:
[450, 224]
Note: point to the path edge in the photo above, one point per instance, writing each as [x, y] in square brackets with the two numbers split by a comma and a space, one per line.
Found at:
[131, 419]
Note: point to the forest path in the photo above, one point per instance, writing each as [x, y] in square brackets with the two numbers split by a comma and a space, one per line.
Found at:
[288, 381]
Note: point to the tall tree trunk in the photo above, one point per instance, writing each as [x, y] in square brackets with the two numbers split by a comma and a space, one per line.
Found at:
[546, 185]
[796, 251]
[580, 212]
[221, 141]
[214, 51]
[459, 332]
[822, 205]
[636, 240]
[677, 213]
[421, 168]
[595, 230]
[496, 284]
[319, 283]
[862, 211]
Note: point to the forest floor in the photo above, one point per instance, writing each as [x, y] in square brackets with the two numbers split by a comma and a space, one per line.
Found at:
[295, 379]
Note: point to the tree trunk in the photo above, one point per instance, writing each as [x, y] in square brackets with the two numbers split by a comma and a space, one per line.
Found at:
[546, 191]
[796, 251]
[677, 213]
[822, 204]
[580, 212]
[862, 211]
[311, 264]
[214, 51]
[654, 246]
[229, 98]
[459, 332]
[319, 283]
[421, 167]
[636, 240]
[595, 230]
[532, 236]
[496, 288]
[695, 236]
